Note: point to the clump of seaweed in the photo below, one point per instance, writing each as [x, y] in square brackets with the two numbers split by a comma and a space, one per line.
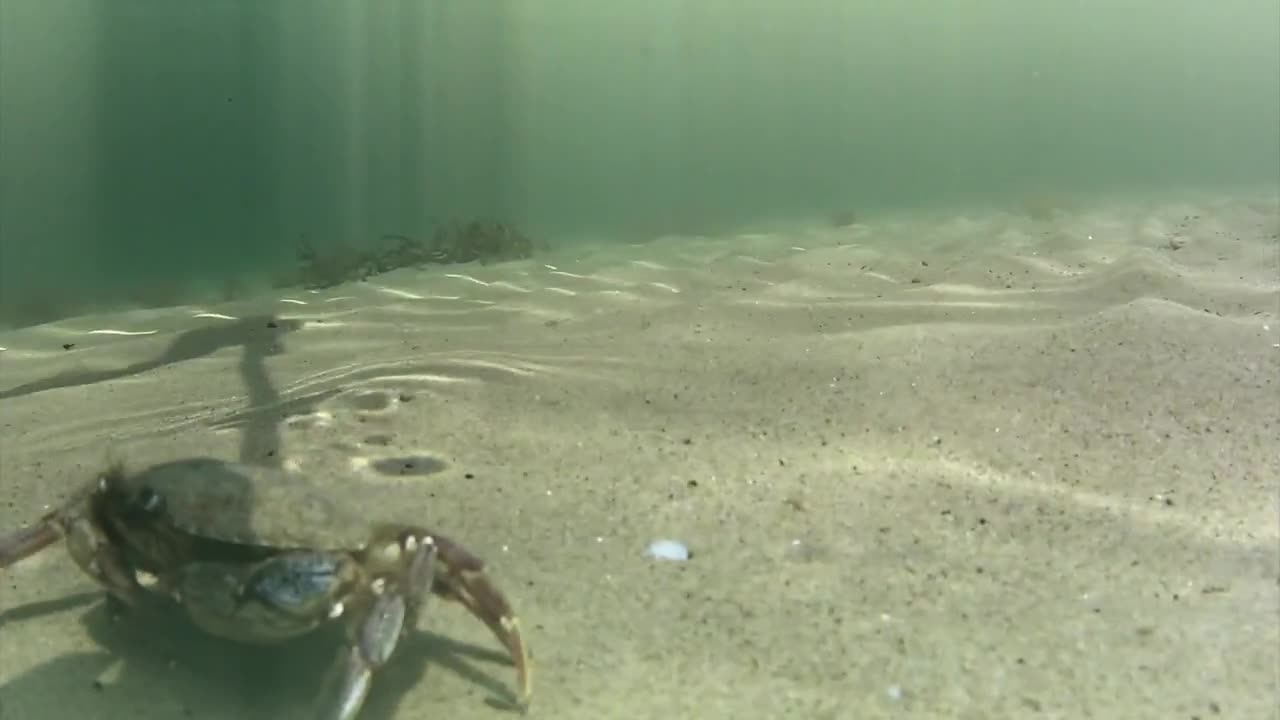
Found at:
[452, 243]
[483, 242]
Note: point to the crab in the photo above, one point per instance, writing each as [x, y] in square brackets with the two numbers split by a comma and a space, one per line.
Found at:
[258, 555]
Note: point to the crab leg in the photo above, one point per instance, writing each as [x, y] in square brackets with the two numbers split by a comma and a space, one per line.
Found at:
[377, 629]
[27, 542]
[375, 639]
[86, 544]
[51, 528]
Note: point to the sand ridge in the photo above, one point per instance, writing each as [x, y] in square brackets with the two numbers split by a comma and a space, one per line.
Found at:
[970, 465]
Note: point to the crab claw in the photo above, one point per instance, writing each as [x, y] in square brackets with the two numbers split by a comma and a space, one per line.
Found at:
[463, 580]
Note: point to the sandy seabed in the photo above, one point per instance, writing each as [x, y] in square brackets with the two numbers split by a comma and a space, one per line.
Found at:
[959, 466]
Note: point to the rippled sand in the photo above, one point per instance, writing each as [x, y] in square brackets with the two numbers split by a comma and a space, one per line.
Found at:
[976, 466]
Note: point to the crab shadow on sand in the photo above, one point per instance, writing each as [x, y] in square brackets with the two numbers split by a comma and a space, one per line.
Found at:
[157, 664]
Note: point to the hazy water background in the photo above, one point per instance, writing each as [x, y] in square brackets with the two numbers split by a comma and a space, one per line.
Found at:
[153, 150]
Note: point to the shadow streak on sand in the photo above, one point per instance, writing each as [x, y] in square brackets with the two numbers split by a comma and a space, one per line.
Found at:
[257, 336]
[34, 610]
[158, 665]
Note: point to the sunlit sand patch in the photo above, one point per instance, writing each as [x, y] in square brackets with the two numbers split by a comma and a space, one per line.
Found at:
[549, 316]
[413, 464]
[126, 333]
[797, 289]
[320, 417]
[373, 374]
[508, 285]
[882, 276]
[971, 305]
[494, 366]
[226, 430]
[405, 294]
[956, 289]
[307, 382]
[1050, 266]
[603, 279]
[621, 294]
[649, 265]
[933, 304]
[1137, 512]
[468, 278]
[430, 378]
[428, 297]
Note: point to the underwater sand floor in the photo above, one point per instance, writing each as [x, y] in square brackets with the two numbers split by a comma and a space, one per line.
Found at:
[974, 466]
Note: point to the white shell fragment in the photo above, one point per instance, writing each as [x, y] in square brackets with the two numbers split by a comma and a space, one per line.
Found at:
[668, 550]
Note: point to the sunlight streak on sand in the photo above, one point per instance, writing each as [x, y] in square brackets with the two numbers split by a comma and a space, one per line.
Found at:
[398, 293]
[126, 333]
[468, 278]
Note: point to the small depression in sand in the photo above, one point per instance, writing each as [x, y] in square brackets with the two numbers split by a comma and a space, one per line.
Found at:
[408, 465]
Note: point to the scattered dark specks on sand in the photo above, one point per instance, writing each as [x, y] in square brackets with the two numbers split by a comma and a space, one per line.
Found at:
[410, 465]
[379, 440]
